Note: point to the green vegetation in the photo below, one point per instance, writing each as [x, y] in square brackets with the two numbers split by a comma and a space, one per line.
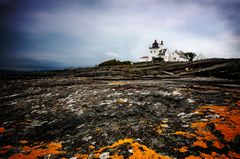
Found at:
[191, 55]
[114, 62]
[157, 59]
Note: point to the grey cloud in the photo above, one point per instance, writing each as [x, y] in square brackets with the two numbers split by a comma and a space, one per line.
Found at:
[85, 32]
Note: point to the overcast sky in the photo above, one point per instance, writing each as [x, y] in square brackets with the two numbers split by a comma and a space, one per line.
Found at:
[46, 34]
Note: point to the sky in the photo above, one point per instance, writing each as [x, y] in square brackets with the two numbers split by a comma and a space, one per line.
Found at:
[53, 34]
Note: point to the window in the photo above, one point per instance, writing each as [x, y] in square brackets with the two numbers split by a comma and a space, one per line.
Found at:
[174, 58]
[150, 51]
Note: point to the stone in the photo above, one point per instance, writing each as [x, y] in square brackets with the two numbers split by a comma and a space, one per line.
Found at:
[181, 114]
[104, 155]
[73, 111]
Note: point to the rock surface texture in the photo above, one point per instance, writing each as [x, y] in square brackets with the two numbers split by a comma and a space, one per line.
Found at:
[165, 110]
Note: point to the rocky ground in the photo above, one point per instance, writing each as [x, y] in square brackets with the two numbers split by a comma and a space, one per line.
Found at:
[165, 110]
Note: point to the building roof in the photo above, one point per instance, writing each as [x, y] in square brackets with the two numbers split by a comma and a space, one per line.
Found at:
[162, 52]
[182, 55]
[154, 45]
[144, 57]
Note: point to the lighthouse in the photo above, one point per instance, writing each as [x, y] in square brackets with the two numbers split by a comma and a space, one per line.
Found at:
[157, 50]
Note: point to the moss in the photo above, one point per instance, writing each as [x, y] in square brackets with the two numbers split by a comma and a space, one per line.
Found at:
[114, 62]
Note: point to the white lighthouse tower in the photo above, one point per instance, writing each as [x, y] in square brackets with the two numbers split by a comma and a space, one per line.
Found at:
[157, 50]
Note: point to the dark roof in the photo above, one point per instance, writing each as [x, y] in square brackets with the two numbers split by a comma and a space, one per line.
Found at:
[144, 57]
[155, 45]
[162, 52]
[182, 55]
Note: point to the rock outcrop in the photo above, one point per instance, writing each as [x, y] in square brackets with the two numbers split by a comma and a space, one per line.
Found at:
[165, 110]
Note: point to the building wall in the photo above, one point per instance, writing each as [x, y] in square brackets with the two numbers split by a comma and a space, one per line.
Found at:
[154, 52]
[174, 57]
[171, 57]
[183, 60]
[161, 47]
[162, 56]
[166, 57]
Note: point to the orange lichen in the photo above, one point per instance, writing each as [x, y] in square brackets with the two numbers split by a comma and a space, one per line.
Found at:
[193, 157]
[225, 119]
[238, 103]
[82, 156]
[26, 148]
[227, 100]
[214, 155]
[228, 123]
[120, 142]
[91, 147]
[207, 135]
[3, 151]
[138, 150]
[204, 134]
[227, 131]
[200, 143]
[182, 149]
[2, 129]
[199, 125]
[116, 156]
[185, 134]
[23, 141]
[233, 155]
[207, 156]
[217, 144]
[7, 147]
[38, 151]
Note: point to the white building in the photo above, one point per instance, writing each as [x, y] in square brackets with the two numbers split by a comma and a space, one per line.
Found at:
[157, 50]
[145, 59]
[176, 56]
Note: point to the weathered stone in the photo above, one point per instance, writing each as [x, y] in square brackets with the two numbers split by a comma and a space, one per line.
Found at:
[80, 112]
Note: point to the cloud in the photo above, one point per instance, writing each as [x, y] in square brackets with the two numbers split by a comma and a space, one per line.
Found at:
[82, 32]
